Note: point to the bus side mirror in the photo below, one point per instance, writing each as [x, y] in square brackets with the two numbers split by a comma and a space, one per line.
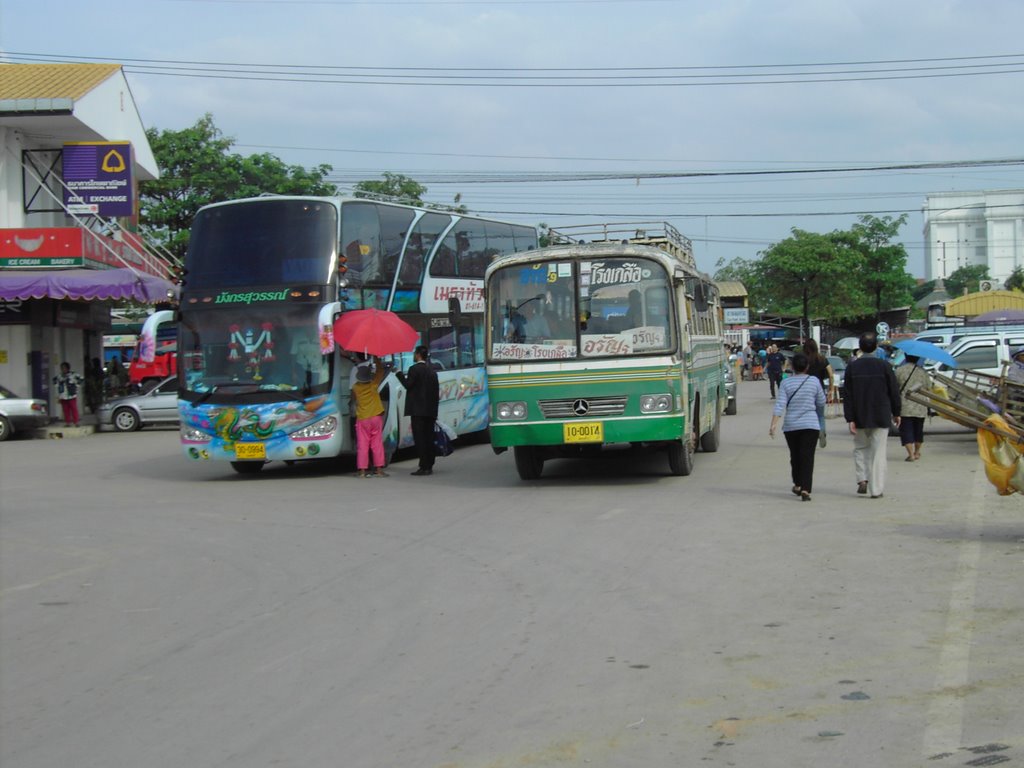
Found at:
[455, 311]
[700, 297]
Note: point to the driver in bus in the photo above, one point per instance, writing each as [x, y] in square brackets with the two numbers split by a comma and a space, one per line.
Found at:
[515, 327]
[536, 325]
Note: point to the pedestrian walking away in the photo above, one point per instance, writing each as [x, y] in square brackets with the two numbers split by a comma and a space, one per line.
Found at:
[871, 402]
[820, 368]
[421, 401]
[773, 367]
[912, 377]
[802, 400]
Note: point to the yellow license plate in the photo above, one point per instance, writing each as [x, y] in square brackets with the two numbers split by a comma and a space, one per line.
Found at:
[250, 451]
[583, 432]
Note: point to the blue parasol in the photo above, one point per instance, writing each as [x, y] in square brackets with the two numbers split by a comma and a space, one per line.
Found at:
[926, 351]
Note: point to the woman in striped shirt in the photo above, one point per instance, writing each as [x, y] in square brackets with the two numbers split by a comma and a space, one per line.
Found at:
[802, 400]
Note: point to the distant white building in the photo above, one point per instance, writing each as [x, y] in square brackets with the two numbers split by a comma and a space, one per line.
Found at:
[967, 228]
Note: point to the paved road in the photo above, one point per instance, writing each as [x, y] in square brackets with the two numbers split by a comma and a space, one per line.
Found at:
[156, 612]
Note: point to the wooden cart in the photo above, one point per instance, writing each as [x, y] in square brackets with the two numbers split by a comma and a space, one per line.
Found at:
[994, 407]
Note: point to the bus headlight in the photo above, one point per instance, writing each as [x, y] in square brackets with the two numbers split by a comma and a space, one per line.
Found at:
[655, 403]
[321, 429]
[511, 411]
[192, 435]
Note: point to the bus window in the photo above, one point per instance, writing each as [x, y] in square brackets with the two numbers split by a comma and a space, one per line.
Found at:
[421, 242]
[443, 347]
[463, 252]
[499, 239]
[360, 243]
[475, 257]
[394, 223]
[525, 238]
[624, 308]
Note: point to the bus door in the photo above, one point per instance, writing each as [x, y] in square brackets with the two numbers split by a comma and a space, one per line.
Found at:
[685, 317]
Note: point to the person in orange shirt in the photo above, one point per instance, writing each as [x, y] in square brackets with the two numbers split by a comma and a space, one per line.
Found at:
[369, 412]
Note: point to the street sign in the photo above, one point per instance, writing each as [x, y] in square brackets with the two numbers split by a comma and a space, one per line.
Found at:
[736, 316]
[882, 329]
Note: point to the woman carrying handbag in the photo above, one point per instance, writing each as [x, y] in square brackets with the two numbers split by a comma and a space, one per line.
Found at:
[802, 400]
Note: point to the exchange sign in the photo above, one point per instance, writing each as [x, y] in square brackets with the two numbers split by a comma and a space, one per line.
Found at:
[98, 178]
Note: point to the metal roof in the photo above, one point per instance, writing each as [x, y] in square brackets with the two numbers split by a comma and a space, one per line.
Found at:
[731, 288]
[978, 303]
[64, 82]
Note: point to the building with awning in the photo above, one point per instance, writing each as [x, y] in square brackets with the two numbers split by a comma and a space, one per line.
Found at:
[73, 150]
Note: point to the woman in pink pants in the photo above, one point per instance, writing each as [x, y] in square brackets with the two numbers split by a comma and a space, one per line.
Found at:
[369, 412]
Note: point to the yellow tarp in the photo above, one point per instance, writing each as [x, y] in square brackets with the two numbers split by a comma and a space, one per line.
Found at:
[1001, 456]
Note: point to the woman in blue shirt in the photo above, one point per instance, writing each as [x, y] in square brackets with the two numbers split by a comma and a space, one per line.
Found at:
[802, 399]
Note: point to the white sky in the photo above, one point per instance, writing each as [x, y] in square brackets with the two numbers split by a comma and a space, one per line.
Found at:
[448, 136]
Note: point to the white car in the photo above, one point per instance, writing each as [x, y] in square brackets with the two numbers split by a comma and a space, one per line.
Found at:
[157, 405]
[20, 413]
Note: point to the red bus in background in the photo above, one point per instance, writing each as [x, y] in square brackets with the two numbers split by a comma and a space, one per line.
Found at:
[165, 363]
[165, 357]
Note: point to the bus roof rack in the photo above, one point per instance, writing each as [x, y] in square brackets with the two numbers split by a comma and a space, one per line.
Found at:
[659, 234]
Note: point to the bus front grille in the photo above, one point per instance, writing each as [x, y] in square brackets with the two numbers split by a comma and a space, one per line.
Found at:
[583, 407]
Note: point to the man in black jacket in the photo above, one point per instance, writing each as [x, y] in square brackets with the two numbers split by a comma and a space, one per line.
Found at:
[421, 399]
[871, 401]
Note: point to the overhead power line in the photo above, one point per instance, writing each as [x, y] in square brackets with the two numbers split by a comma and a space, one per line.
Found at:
[490, 177]
[564, 77]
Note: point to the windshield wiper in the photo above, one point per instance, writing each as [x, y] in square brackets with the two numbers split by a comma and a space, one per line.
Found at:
[218, 387]
[206, 395]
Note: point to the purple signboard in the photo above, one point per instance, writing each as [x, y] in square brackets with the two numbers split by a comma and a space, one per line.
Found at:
[98, 178]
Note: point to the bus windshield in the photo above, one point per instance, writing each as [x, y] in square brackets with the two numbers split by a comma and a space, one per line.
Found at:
[253, 349]
[567, 309]
[265, 242]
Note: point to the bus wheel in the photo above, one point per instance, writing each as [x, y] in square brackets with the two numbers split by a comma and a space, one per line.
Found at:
[680, 457]
[529, 462]
[247, 467]
[709, 440]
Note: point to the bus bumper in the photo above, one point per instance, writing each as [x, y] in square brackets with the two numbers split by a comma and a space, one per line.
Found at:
[647, 429]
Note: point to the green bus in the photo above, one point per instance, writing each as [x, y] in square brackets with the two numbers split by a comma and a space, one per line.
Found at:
[603, 343]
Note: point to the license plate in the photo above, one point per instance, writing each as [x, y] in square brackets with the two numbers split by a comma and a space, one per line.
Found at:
[583, 432]
[250, 451]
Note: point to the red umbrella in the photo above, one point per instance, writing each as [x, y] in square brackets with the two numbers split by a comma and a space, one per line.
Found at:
[374, 332]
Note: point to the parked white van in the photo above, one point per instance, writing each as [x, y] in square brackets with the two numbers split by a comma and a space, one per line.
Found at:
[985, 352]
[940, 337]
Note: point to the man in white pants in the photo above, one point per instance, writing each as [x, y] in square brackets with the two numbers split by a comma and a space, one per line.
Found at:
[871, 402]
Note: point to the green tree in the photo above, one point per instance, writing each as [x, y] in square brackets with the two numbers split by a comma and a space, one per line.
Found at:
[810, 274]
[745, 271]
[966, 279]
[1015, 282]
[395, 187]
[884, 276]
[197, 168]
